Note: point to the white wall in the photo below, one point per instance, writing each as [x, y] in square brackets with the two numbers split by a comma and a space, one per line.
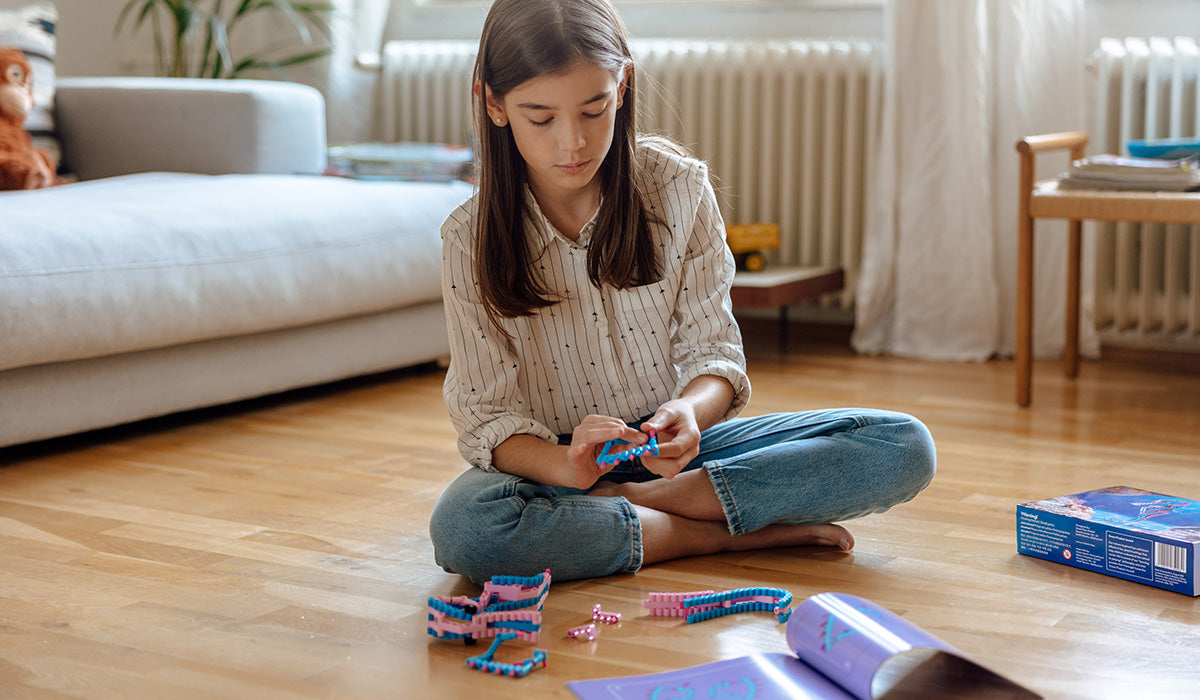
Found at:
[1142, 18]
[413, 19]
[87, 45]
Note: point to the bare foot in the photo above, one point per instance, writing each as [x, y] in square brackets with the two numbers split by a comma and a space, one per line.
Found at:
[689, 524]
[666, 536]
[828, 535]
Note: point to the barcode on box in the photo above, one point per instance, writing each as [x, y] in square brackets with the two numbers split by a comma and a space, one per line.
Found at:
[1168, 556]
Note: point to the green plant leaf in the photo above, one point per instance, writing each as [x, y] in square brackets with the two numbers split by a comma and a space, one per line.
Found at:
[278, 65]
[221, 54]
[297, 18]
[192, 38]
[146, 8]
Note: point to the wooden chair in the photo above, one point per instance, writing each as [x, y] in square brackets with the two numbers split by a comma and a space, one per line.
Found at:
[1044, 200]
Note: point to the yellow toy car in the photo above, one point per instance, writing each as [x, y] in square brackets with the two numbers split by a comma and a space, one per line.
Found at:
[748, 241]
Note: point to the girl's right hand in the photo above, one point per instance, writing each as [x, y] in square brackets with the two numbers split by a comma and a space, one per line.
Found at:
[587, 440]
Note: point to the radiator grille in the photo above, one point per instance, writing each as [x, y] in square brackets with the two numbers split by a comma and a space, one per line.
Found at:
[1147, 276]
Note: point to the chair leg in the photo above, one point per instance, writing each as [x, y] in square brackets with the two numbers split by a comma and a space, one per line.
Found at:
[1071, 346]
[1024, 349]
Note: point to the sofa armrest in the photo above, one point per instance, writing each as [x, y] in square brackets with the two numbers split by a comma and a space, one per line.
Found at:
[117, 126]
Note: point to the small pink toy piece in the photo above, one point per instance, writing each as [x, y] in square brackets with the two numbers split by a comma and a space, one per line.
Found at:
[588, 631]
[601, 616]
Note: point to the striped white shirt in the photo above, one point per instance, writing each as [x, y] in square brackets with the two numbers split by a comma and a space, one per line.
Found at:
[613, 352]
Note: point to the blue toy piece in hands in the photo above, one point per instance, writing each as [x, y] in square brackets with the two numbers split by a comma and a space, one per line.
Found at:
[611, 459]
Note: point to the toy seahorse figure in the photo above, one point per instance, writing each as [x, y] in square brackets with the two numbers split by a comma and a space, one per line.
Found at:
[1159, 507]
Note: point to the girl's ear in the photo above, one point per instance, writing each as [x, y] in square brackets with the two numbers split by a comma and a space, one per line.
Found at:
[626, 74]
[495, 110]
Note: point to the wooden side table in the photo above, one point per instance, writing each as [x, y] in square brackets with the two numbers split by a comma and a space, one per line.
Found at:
[779, 287]
[1044, 200]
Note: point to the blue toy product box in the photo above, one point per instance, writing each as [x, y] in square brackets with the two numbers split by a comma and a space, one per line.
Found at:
[1125, 532]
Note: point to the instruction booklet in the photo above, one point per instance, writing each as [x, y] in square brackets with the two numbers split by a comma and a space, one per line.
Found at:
[845, 648]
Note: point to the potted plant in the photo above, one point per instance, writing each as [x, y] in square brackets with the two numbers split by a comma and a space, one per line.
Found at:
[192, 38]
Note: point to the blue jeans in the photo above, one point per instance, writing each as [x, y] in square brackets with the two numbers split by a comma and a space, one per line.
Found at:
[793, 468]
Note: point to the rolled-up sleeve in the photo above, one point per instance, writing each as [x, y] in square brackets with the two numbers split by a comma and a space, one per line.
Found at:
[708, 340]
[481, 387]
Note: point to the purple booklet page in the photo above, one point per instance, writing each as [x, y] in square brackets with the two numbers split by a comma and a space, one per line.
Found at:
[846, 648]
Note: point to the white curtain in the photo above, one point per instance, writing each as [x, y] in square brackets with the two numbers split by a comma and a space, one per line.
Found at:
[965, 80]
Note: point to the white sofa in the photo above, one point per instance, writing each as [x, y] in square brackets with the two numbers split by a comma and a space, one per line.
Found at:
[202, 259]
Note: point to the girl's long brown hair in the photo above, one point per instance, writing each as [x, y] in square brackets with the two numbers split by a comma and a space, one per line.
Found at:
[521, 40]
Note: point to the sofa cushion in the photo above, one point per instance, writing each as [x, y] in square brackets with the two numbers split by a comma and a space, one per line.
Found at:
[156, 259]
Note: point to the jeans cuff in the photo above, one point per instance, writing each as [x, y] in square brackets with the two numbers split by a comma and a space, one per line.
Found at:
[733, 520]
[636, 552]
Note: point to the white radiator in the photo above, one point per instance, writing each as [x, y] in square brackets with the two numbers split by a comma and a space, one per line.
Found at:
[787, 128]
[1147, 276]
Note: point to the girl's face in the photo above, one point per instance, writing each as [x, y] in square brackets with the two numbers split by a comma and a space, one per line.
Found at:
[562, 124]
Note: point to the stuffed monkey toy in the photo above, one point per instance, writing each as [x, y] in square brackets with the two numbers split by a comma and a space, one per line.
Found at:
[22, 167]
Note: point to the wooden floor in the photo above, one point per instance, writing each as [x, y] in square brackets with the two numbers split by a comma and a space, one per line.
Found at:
[279, 549]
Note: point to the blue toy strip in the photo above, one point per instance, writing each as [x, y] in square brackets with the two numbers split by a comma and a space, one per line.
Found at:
[485, 661]
[449, 609]
[607, 457]
[515, 604]
[515, 625]
[535, 580]
[740, 600]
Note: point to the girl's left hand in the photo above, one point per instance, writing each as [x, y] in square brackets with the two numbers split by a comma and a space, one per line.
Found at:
[587, 440]
[678, 438]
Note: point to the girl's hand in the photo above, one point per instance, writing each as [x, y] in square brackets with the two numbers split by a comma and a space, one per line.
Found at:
[587, 440]
[678, 438]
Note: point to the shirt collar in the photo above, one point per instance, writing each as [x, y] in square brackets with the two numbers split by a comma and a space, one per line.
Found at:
[545, 231]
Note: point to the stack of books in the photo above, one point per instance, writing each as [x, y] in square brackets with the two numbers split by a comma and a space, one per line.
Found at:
[1110, 172]
[421, 162]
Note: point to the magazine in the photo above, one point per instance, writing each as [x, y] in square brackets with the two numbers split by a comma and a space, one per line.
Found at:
[417, 162]
[844, 648]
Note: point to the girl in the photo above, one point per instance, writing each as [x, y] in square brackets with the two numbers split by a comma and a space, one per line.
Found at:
[587, 293]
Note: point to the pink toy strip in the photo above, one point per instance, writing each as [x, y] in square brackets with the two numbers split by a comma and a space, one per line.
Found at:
[587, 631]
[600, 616]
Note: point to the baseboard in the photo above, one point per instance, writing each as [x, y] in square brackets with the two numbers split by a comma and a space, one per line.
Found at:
[1159, 358]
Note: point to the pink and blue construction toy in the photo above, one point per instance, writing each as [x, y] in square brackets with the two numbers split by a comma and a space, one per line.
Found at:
[508, 605]
[599, 615]
[612, 459]
[698, 606]
[588, 631]
[486, 661]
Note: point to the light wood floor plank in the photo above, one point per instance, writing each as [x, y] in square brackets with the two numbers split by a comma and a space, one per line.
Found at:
[279, 548]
